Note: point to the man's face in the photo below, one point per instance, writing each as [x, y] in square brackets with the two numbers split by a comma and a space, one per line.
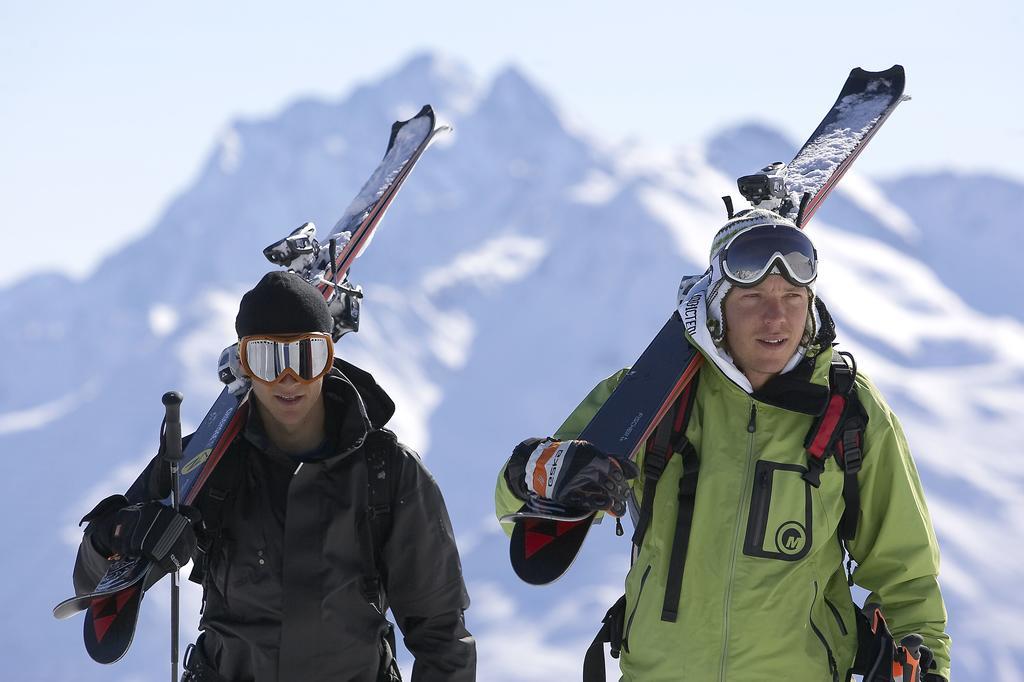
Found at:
[764, 325]
[288, 402]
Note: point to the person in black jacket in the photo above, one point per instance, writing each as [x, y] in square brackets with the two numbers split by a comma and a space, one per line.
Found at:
[298, 564]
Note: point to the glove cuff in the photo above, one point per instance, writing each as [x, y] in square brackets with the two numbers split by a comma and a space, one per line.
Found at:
[107, 505]
[101, 522]
[515, 469]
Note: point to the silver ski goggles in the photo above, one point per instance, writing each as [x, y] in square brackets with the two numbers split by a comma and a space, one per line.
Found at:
[306, 357]
[751, 255]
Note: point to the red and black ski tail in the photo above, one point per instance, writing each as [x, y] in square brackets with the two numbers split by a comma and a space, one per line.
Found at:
[541, 550]
[110, 624]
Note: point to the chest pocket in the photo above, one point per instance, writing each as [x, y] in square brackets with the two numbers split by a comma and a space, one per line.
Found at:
[780, 522]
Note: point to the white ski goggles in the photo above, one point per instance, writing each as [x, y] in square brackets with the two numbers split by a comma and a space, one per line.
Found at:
[306, 357]
[751, 255]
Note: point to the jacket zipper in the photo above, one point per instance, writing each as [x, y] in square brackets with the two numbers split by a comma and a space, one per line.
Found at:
[839, 619]
[828, 650]
[761, 500]
[751, 429]
[629, 623]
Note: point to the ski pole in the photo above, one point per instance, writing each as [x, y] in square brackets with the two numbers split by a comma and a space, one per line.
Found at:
[172, 454]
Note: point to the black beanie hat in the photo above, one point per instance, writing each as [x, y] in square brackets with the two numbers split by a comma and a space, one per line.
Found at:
[282, 303]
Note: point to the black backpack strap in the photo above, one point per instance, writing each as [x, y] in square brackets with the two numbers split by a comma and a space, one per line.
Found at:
[839, 432]
[379, 449]
[667, 439]
[611, 632]
[849, 451]
[681, 540]
[656, 454]
[217, 497]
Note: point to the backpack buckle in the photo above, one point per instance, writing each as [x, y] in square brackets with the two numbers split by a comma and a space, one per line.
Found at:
[850, 448]
[814, 469]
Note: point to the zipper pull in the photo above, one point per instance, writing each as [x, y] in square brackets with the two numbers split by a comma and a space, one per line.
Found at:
[752, 424]
[618, 527]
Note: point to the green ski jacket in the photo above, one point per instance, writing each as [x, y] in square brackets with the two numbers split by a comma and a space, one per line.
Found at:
[764, 592]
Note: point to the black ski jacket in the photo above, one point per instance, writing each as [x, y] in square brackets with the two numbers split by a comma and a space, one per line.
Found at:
[285, 587]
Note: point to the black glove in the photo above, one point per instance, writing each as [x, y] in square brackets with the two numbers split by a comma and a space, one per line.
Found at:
[571, 473]
[149, 529]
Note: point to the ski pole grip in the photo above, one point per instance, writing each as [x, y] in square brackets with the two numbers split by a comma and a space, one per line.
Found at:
[172, 416]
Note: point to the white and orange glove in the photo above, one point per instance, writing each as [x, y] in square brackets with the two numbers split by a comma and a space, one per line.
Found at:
[573, 474]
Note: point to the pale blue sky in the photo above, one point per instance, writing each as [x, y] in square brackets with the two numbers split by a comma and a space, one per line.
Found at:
[107, 109]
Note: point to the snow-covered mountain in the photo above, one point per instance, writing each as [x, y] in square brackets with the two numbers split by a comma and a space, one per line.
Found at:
[523, 262]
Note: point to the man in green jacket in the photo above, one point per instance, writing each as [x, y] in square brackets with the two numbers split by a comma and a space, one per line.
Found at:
[764, 593]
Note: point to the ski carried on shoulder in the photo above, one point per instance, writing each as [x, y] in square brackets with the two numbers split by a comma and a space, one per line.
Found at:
[542, 548]
[112, 607]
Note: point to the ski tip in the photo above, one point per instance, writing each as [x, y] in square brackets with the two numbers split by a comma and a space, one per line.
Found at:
[896, 72]
[426, 111]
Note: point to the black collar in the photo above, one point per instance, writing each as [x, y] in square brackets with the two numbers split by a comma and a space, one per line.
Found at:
[794, 390]
[354, 405]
